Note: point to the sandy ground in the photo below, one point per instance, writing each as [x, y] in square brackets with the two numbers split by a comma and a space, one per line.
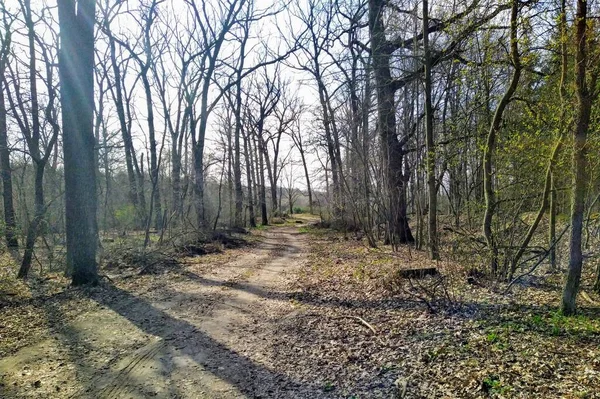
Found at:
[201, 333]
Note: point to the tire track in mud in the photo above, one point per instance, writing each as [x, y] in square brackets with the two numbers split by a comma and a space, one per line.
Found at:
[118, 385]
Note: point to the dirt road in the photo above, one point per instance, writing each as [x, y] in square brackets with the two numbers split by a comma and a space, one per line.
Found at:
[202, 332]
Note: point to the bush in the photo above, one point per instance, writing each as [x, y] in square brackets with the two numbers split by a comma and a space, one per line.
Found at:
[298, 210]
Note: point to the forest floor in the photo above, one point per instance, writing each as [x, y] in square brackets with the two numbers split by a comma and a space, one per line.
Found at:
[301, 312]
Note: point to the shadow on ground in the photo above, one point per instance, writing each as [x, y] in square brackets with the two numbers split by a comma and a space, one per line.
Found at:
[248, 377]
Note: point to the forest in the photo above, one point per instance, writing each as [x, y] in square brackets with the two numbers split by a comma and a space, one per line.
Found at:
[300, 199]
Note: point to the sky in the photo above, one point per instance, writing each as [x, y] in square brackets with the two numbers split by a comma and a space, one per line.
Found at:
[268, 30]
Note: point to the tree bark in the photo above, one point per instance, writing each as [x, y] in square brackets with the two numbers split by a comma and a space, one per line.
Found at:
[5, 169]
[263, 191]
[125, 133]
[249, 174]
[429, 143]
[392, 148]
[76, 66]
[585, 95]
[563, 37]
[490, 199]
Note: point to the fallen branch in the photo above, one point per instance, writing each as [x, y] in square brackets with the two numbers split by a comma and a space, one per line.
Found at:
[539, 262]
[587, 298]
[106, 277]
[362, 321]
[466, 235]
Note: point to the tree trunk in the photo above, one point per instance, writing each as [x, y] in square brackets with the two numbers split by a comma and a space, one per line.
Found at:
[125, 133]
[5, 170]
[307, 175]
[398, 230]
[32, 231]
[429, 143]
[580, 164]
[335, 181]
[249, 175]
[32, 136]
[563, 35]
[198, 149]
[490, 200]
[76, 66]
[263, 191]
[154, 171]
[237, 164]
[271, 176]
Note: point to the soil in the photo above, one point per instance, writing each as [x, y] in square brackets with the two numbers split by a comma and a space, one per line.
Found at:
[200, 332]
[303, 312]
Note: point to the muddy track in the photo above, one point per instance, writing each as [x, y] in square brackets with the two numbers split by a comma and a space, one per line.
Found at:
[200, 335]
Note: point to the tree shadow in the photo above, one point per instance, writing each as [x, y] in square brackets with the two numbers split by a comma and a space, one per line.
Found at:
[237, 370]
[305, 297]
[533, 317]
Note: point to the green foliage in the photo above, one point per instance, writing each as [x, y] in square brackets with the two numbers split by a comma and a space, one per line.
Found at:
[299, 210]
[126, 216]
[494, 386]
[554, 323]
[492, 337]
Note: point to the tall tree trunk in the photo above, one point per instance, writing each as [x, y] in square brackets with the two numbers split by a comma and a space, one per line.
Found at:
[271, 175]
[392, 148]
[335, 180]
[5, 170]
[490, 200]
[237, 164]
[249, 174]
[307, 176]
[198, 153]
[585, 99]
[154, 171]
[263, 191]
[33, 142]
[32, 231]
[76, 66]
[429, 143]
[107, 178]
[564, 57]
[125, 132]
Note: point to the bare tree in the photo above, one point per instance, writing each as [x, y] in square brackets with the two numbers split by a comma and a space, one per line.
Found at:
[5, 169]
[30, 122]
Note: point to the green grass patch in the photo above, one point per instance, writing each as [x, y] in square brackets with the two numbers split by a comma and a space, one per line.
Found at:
[557, 324]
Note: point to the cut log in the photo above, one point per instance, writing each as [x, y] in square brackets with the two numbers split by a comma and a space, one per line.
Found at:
[418, 273]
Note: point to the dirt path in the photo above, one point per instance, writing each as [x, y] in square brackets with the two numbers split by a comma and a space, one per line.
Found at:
[201, 333]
